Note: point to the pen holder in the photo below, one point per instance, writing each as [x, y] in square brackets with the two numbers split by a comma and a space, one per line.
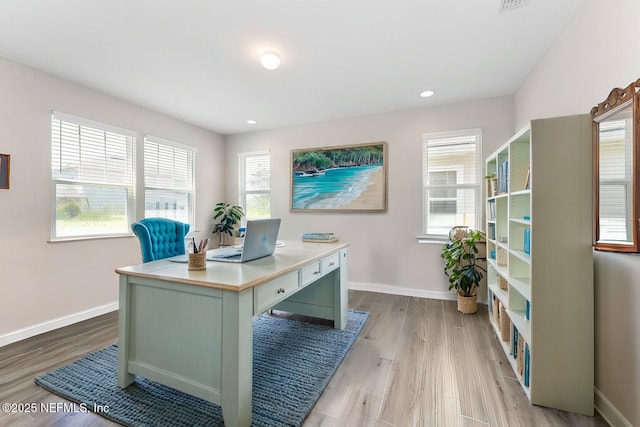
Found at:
[198, 261]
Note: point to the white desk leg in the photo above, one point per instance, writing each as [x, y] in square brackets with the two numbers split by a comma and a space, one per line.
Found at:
[124, 377]
[341, 293]
[237, 357]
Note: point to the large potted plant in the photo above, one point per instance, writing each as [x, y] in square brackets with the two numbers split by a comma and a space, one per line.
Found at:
[228, 216]
[461, 256]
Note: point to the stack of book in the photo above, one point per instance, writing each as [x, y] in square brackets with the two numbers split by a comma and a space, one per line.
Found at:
[491, 210]
[503, 177]
[520, 352]
[319, 237]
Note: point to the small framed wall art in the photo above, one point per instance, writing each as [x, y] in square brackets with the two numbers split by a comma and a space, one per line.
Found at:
[348, 178]
[5, 166]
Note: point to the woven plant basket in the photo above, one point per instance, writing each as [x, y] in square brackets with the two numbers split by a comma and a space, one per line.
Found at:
[467, 305]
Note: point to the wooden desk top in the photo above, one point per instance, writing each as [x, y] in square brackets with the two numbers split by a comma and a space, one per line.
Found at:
[237, 276]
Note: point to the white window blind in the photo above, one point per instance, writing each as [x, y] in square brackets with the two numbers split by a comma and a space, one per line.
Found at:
[254, 170]
[450, 180]
[92, 170]
[169, 180]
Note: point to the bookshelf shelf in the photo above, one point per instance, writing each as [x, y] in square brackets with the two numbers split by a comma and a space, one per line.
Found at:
[521, 255]
[524, 327]
[503, 245]
[522, 285]
[548, 301]
[501, 294]
[499, 269]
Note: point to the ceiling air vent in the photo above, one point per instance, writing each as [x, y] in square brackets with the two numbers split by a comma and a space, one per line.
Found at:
[507, 5]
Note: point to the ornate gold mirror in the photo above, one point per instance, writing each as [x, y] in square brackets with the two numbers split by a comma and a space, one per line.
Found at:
[616, 162]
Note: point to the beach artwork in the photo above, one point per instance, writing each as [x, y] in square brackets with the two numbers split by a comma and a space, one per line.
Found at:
[344, 178]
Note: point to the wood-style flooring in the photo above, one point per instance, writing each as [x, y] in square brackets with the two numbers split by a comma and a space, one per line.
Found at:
[417, 362]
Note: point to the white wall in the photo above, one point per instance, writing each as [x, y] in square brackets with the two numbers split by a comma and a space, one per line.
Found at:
[385, 255]
[44, 285]
[599, 50]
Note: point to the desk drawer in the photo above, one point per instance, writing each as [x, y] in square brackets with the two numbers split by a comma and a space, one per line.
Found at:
[310, 273]
[272, 292]
[330, 263]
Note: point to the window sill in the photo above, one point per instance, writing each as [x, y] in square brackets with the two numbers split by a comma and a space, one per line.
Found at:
[432, 240]
[76, 239]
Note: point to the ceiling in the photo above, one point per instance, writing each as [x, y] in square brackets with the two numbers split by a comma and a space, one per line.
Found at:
[198, 60]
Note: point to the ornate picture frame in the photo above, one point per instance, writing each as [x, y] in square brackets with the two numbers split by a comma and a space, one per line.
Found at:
[348, 178]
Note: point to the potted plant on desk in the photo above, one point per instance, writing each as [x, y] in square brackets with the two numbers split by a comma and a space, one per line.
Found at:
[461, 256]
[229, 216]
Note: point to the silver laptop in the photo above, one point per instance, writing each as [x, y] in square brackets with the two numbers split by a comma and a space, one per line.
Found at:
[259, 241]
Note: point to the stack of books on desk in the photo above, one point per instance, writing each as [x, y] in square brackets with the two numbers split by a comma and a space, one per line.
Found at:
[319, 237]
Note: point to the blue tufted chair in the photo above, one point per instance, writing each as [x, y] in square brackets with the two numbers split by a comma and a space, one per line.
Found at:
[160, 237]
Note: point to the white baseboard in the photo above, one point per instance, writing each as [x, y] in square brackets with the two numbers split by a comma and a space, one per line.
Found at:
[609, 412]
[408, 292]
[60, 322]
[397, 290]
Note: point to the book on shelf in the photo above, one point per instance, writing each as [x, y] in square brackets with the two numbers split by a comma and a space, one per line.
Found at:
[491, 207]
[319, 237]
[514, 341]
[527, 311]
[527, 357]
[503, 177]
[492, 231]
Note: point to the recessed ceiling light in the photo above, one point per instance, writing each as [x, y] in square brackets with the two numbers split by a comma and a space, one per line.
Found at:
[507, 5]
[427, 93]
[251, 122]
[270, 60]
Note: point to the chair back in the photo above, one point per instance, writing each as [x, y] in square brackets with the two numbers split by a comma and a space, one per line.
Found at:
[160, 237]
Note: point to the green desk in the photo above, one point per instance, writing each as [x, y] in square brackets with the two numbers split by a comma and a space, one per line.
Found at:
[192, 330]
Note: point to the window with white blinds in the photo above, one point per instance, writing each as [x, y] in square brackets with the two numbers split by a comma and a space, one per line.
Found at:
[93, 178]
[169, 180]
[254, 170]
[451, 169]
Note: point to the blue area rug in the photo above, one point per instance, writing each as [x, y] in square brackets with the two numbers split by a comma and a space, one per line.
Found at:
[292, 364]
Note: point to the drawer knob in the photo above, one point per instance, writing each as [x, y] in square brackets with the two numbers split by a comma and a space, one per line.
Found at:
[331, 264]
[281, 290]
[316, 272]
